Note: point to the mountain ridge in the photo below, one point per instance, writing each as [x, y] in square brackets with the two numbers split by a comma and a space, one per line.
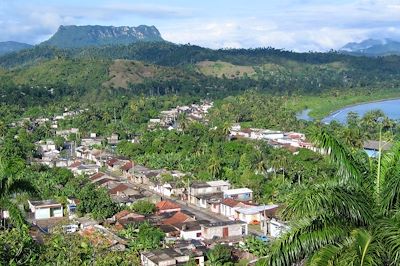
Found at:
[373, 47]
[12, 46]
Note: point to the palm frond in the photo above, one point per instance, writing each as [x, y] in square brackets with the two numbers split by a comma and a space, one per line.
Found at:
[390, 181]
[22, 186]
[307, 236]
[16, 216]
[350, 169]
[325, 255]
[331, 200]
[388, 232]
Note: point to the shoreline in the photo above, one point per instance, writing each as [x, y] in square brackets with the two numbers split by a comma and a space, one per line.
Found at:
[352, 105]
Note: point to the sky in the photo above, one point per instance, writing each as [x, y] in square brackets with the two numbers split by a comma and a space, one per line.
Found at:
[298, 25]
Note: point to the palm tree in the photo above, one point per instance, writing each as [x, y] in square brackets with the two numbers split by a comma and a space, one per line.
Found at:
[10, 185]
[352, 219]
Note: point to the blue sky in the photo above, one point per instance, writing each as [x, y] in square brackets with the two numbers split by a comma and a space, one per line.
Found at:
[300, 25]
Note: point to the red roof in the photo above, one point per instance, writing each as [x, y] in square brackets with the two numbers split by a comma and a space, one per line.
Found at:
[167, 205]
[97, 176]
[122, 214]
[111, 162]
[75, 164]
[102, 181]
[127, 166]
[118, 188]
[178, 217]
[230, 202]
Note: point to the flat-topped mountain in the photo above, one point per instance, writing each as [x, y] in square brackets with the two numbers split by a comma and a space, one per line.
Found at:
[9, 47]
[83, 36]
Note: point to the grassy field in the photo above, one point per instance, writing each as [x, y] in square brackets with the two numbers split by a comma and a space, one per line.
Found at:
[323, 105]
[219, 68]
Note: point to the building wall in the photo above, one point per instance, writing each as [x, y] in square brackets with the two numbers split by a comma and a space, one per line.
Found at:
[46, 213]
[249, 217]
[227, 211]
[187, 235]
[233, 230]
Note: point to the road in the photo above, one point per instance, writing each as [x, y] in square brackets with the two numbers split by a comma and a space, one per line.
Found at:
[200, 213]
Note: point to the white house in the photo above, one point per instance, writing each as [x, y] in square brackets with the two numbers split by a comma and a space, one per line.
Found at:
[241, 194]
[46, 209]
[252, 215]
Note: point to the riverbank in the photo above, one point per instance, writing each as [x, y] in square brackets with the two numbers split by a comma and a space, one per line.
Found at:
[328, 104]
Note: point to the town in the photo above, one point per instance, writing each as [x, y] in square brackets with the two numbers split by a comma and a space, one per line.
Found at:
[195, 216]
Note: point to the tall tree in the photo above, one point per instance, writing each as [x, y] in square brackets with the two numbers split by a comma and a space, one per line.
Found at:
[351, 219]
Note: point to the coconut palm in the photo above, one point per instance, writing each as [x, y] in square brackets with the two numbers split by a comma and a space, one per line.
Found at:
[10, 185]
[352, 219]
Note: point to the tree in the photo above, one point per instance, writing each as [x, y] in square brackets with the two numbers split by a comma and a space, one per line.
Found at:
[12, 183]
[17, 247]
[220, 255]
[349, 220]
[96, 201]
[143, 207]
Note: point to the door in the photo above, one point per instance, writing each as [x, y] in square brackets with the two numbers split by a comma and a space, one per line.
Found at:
[225, 232]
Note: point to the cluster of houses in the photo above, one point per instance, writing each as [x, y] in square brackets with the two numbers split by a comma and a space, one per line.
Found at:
[168, 119]
[278, 139]
[67, 114]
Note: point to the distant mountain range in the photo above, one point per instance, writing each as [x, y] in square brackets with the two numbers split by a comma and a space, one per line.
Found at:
[372, 47]
[83, 36]
[9, 47]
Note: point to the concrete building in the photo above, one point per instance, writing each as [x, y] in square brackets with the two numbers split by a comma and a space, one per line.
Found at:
[224, 229]
[241, 194]
[46, 209]
[171, 256]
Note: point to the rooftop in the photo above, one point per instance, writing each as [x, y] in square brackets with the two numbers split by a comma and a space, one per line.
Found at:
[119, 188]
[374, 145]
[218, 183]
[256, 209]
[223, 223]
[44, 203]
[167, 205]
[160, 255]
[237, 191]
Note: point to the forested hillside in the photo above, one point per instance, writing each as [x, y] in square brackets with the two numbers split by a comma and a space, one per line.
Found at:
[165, 68]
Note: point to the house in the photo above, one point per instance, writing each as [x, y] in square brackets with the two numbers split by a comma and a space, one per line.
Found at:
[229, 206]
[224, 229]
[171, 256]
[168, 189]
[274, 226]
[371, 147]
[252, 215]
[171, 232]
[113, 139]
[209, 201]
[179, 217]
[46, 146]
[122, 189]
[190, 230]
[166, 206]
[111, 162]
[97, 176]
[203, 188]
[125, 216]
[241, 194]
[86, 169]
[46, 209]
[125, 169]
